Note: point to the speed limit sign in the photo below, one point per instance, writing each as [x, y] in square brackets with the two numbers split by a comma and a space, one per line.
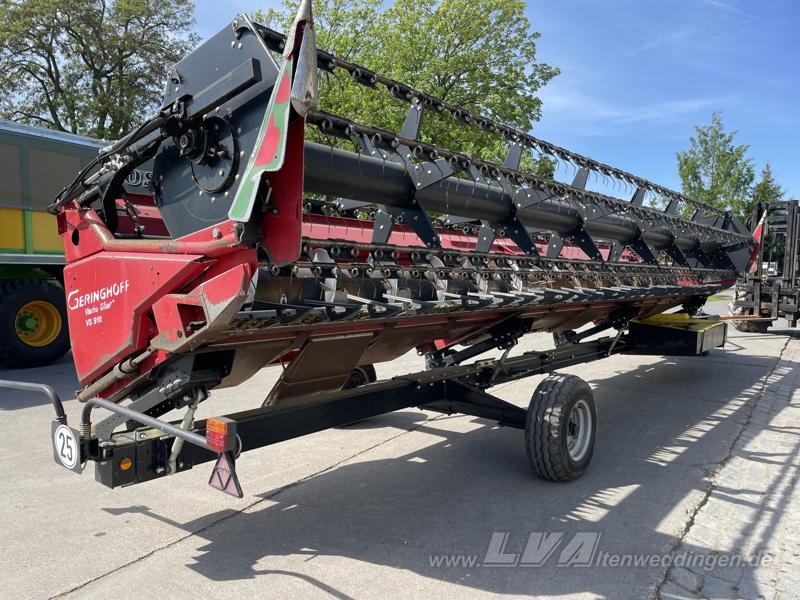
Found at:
[66, 447]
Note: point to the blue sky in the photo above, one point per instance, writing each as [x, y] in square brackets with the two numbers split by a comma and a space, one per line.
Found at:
[637, 75]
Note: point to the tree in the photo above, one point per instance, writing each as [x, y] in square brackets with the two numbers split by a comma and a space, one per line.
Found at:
[479, 54]
[93, 67]
[717, 171]
[767, 190]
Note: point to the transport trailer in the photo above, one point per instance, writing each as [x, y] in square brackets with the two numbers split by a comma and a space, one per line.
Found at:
[305, 239]
[765, 295]
[36, 164]
[559, 424]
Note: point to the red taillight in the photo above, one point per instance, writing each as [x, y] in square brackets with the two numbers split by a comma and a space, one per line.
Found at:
[221, 434]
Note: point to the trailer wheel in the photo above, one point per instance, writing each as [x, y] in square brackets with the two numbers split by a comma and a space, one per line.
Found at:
[33, 323]
[361, 376]
[560, 428]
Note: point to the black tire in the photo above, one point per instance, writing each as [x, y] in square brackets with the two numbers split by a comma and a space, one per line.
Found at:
[361, 376]
[548, 427]
[14, 295]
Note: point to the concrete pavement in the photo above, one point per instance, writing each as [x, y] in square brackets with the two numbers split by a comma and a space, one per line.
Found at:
[752, 506]
[382, 507]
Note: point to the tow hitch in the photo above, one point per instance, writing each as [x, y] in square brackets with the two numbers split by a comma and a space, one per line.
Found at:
[72, 448]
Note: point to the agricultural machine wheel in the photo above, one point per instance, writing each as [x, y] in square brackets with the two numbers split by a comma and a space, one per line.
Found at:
[748, 326]
[361, 376]
[33, 323]
[560, 428]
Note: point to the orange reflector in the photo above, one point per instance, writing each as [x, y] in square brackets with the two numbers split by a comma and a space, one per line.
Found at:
[125, 464]
[220, 434]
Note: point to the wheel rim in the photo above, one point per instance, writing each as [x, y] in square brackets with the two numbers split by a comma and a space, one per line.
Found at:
[357, 378]
[579, 430]
[38, 323]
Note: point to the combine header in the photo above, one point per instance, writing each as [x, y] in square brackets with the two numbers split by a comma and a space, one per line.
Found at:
[327, 258]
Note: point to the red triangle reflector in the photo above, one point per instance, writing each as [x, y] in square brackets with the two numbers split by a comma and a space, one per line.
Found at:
[223, 477]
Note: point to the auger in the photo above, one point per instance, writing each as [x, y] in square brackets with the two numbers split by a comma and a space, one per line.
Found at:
[280, 234]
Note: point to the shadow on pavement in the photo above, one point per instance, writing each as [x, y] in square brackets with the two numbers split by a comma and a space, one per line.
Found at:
[60, 375]
[664, 428]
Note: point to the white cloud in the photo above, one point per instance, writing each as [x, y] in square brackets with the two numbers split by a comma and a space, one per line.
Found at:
[723, 5]
[572, 104]
[669, 111]
[666, 39]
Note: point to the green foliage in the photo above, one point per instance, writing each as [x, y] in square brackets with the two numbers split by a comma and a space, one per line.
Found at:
[767, 190]
[479, 54]
[93, 67]
[717, 171]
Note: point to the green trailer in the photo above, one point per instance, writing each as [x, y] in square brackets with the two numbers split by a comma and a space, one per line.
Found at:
[35, 165]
